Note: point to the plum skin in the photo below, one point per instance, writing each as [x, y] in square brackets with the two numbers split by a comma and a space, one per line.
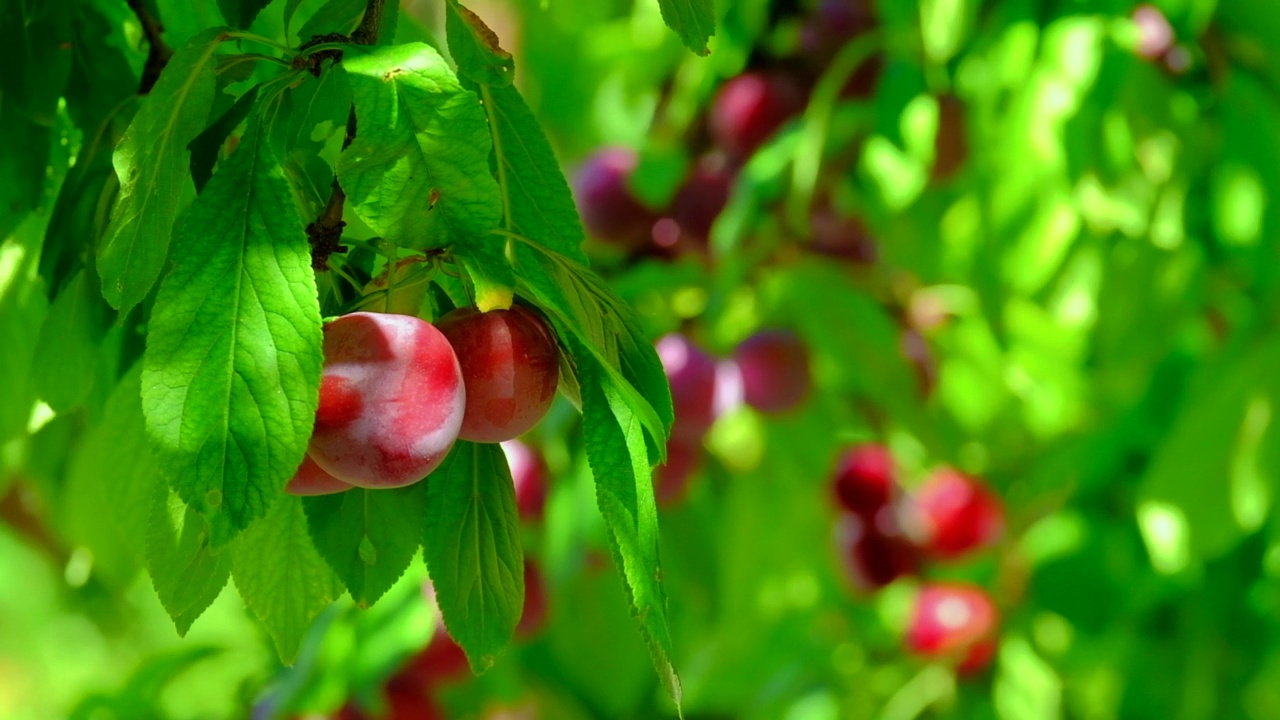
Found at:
[864, 479]
[391, 400]
[529, 475]
[692, 376]
[510, 365]
[953, 514]
[956, 621]
[775, 371]
[609, 210]
[311, 479]
[750, 108]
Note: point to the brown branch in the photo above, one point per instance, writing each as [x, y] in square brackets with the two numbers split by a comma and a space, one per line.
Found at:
[159, 53]
[325, 233]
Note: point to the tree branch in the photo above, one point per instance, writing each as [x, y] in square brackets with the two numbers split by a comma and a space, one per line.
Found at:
[325, 233]
[158, 54]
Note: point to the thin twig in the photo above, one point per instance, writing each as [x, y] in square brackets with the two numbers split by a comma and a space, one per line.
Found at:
[326, 232]
[159, 53]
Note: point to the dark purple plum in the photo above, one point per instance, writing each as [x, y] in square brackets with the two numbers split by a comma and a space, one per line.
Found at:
[841, 236]
[750, 108]
[701, 198]
[865, 480]
[775, 371]
[610, 212]
[692, 375]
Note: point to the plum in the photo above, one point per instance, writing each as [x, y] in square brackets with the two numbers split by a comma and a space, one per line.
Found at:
[841, 236]
[1155, 34]
[953, 514]
[391, 400]
[671, 479]
[750, 108]
[873, 552]
[510, 366]
[700, 200]
[864, 479]
[610, 211]
[529, 474]
[311, 479]
[775, 371]
[692, 375]
[954, 621]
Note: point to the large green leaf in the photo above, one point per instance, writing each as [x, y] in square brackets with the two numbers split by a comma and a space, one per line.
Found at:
[22, 165]
[35, 47]
[472, 548]
[619, 459]
[476, 49]
[186, 570]
[418, 170]
[152, 163]
[233, 354]
[112, 482]
[66, 355]
[281, 576]
[580, 302]
[368, 537]
[693, 20]
[241, 13]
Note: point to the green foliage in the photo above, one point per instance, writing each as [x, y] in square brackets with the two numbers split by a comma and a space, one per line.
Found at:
[368, 537]
[229, 387]
[417, 172]
[472, 549]
[693, 21]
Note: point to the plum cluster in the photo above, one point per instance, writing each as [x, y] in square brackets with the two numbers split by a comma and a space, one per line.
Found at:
[884, 533]
[769, 371]
[396, 392]
[746, 111]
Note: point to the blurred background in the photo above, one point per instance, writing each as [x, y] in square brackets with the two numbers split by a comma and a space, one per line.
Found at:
[970, 313]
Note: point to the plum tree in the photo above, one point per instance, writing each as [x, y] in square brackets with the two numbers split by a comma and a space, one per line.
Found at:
[953, 514]
[529, 474]
[750, 108]
[692, 376]
[956, 622]
[391, 400]
[510, 366]
[864, 479]
[775, 370]
[311, 479]
[609, 210]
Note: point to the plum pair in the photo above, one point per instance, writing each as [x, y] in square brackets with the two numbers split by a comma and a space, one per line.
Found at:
[397, 392]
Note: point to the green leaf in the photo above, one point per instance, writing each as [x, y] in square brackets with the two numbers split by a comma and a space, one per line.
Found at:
[418, 170]
[580, 303]
[368, 537]
[35, 48]
[187, 572]
[535, 194]
[290, 7]
[152, 163]
[111, 484]
[101, 77]
[321, 109]
[693, 20]
[281, 576]
[475, 48]
[66, 355]
[22, 165]
[335, 16]
[233, 356]
[619, 459]
[206, 146]
[472, 548]
[490, 271]
[241, 13]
